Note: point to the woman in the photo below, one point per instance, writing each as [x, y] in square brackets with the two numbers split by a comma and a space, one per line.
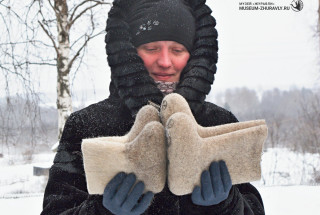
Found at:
[154, 47]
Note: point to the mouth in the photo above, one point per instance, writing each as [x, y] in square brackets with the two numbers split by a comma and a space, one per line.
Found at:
[162, 76]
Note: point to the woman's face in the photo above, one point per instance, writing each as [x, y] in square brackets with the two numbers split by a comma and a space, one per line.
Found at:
[164, 60]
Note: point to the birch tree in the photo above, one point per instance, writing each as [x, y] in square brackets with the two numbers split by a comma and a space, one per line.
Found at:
[49, 34]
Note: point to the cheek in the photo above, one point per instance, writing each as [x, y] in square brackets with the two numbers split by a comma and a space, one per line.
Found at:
[180, 63]
[148, 60]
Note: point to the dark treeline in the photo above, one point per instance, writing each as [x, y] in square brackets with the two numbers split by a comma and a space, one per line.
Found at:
[26, 127]
[293, 119]
[292, 116]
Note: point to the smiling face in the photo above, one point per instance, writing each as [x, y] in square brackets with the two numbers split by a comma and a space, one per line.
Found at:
[164, 60]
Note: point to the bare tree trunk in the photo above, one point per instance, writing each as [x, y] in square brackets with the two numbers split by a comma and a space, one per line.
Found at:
[64, 102]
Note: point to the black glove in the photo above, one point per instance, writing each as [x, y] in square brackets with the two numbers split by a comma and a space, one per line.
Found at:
[118, 199]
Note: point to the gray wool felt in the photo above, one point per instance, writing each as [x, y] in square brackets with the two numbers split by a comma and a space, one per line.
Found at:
[141, 151]
[192, 148]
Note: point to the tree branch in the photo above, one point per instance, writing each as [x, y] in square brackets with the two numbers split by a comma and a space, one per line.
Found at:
[80, 14]
[78, 67]
[76, 8]
[20, 64]
[51, 5]
[73, 19]
[78, 53]
[18, 74]
[77, 40]
[83, 46]
[41, 63]
[50, 36]
[25, 42]
[10, 9]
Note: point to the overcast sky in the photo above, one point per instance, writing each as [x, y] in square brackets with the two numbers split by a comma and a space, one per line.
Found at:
[266, 49]
[257, 49]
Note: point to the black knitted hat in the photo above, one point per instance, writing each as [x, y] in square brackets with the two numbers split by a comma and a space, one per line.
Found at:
[161, 20]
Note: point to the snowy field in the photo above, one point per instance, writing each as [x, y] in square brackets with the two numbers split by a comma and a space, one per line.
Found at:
[291, 200]
[284, 200]
[281, 187]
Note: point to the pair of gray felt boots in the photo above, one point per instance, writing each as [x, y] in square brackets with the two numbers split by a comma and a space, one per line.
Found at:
[170, 145]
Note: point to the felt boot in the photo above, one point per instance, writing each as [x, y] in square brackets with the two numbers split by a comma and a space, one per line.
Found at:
[174, 103]
[142, 151]
[192, 148]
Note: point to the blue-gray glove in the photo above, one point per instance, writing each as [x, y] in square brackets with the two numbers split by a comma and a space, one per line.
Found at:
[215, 185]
[118, 199]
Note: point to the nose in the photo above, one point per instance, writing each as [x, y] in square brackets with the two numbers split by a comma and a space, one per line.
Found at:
[164, 59]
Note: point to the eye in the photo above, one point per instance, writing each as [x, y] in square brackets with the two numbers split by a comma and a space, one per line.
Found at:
[178, 50]
[150, 48]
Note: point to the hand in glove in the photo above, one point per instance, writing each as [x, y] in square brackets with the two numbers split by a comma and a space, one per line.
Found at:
[118, 200]
[215, 185]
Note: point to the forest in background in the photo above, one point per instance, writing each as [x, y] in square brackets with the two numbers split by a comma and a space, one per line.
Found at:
[292, 116]
[293, 119]
[29, 129]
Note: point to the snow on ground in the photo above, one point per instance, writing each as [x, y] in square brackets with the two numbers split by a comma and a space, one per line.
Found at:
[278, 200]
[280, 166]
[21, 206]
[16, 176]
[22, 193]
[291, 200]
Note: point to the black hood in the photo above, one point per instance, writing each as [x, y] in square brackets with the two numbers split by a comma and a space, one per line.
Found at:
[130, 79]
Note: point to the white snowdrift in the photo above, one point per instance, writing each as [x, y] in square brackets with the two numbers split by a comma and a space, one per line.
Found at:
[22, 193]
